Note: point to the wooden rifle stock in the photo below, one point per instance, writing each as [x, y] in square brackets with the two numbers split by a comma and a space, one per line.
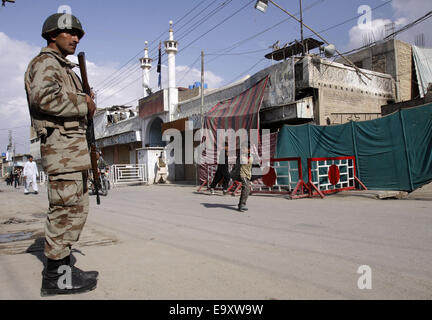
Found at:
[91, 141]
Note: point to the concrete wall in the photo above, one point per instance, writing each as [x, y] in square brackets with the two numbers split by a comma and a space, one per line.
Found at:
[154, 104]
[146, 125]
[338, 105]
[279, 90]
[121, 154]
[343, 93]
[393, 57]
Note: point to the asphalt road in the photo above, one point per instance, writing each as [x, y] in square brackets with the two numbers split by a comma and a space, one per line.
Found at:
[170, 242]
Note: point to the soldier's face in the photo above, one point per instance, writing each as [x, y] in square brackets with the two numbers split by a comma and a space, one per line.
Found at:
[67, 42]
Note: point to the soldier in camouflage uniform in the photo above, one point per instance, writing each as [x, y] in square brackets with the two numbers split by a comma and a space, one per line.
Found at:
[59, 111]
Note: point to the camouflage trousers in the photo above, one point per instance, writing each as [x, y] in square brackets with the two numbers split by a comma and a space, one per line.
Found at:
[68, 209]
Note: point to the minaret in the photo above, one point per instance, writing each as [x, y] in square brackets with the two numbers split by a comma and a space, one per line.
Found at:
[171, 50]
[146, 66]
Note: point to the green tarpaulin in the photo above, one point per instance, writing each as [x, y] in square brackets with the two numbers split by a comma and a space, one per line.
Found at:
[392, 153]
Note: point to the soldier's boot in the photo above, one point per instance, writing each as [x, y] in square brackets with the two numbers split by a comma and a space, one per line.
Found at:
[66, 280]
[85, 274]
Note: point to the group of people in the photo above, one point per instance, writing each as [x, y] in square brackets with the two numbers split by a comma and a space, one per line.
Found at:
[26, 176]
[241, 172]
[13, 178]
[120, 116]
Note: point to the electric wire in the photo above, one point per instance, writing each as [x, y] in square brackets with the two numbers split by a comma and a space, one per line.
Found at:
[104, 82]
[193, 41]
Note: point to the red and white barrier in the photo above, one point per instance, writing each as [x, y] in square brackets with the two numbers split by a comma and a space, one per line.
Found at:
[332, 174]
[283, 177]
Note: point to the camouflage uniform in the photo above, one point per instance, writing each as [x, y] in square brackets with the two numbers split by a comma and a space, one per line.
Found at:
[58, 111]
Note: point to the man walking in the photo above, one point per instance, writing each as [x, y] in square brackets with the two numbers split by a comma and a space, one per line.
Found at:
[59, 112]
[30, 174]
[222, 172]
[16, 177]
[245, 176]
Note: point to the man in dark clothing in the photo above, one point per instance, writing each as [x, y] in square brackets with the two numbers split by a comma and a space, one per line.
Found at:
[16, 177]
[221, 172]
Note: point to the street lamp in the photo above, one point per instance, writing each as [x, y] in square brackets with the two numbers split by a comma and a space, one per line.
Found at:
[261, 5]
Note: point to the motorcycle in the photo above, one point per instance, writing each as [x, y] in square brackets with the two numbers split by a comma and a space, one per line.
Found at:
[104, 184]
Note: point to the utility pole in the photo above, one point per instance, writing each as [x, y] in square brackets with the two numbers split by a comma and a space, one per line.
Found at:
[202, 90]
[301, 29]
[197, 180]
[13, 158]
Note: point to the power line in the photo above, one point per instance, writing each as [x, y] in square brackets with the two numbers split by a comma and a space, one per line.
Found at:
[217, 25]
[239, 43]
[406, 27]
[199, 37]
[180, 28]
[410, 25]
[114, 82]
[190, 68]
[230, 48]
[284, 20]
[244, 72]
[104, 82]
[351, 19]
[203, 19]
[254, 36]
[178, 21]
[235, 53]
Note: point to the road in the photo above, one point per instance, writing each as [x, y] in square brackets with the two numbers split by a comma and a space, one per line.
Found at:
[170, 242]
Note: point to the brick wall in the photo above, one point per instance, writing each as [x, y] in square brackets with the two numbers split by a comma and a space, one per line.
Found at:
[404, 69]
[188, 94]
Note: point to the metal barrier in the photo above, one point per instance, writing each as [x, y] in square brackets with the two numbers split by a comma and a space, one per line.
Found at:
[328, 175]
[127, 173]
[284, 176]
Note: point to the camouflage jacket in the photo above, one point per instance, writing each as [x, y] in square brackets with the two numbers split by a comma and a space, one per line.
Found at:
[58, 111]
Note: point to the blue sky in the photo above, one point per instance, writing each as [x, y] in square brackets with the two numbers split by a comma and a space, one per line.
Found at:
[116, 31]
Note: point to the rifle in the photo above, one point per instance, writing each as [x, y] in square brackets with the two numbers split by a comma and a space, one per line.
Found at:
[91, 141]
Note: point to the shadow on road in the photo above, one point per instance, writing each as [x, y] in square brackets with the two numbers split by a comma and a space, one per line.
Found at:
[37, 249]
[218, 205]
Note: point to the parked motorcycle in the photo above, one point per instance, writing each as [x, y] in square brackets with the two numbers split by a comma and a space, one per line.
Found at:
[103, 182]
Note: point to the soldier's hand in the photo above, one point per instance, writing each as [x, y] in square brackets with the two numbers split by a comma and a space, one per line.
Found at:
[90, 106]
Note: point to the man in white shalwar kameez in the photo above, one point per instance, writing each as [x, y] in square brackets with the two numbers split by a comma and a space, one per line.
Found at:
[30, 173]
[162, 170]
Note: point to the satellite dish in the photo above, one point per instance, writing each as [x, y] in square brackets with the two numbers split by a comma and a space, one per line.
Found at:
[329, 50]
